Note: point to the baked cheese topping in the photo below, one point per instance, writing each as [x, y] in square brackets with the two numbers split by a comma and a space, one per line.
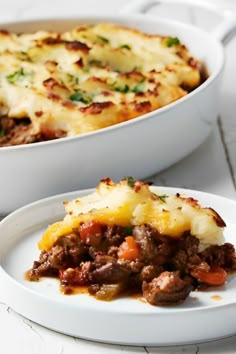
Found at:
[130, 203]
[90, 77]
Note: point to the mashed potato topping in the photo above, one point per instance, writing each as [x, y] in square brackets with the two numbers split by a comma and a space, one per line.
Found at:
[90, 77]
[131, 203]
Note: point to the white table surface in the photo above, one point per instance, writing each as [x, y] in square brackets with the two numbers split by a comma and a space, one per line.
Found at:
[211, 168]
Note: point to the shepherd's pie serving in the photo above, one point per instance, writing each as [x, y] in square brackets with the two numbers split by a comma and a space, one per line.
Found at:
[56, 85]
[127, 237]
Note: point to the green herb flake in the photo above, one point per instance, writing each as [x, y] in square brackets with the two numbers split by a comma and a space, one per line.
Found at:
[128, 230]
[130, 181]
[138, 88]
[23, 55]
[80, 97]
[2, 132]
[113, 84]
[71, 79]
[172, 41]
[121, 89]
[103, 39]
[86, 69]
[162, 197]
[137, 68]
[17, 75]
[96, 63]
[125, 46]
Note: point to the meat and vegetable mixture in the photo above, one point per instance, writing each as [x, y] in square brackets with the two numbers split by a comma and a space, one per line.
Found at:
[112, 258]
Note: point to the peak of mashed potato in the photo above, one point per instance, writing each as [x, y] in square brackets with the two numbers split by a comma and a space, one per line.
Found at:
[130, 203]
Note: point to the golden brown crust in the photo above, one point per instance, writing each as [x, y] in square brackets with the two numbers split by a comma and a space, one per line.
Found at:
[130, 203]
[95, 76]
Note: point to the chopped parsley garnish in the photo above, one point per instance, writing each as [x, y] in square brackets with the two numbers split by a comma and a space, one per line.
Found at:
[2, 132]
[125, 46]
[121, 89]
[172, 41]
[103, 39]
[23, 55]
[140, 87]
[71, 79]
[137, 68]
[163, 197]
[85, 69]
[17, 75]
[80, 97]
[130, 181]
[128, 230]
[96, 62]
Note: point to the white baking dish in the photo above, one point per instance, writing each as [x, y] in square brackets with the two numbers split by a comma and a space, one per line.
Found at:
[139, 147]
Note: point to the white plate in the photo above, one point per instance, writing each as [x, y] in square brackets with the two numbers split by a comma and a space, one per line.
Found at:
[123, 321]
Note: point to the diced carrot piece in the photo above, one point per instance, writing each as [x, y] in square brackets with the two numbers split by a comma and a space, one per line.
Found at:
[129, 249]
[215, 276]
[88, 229]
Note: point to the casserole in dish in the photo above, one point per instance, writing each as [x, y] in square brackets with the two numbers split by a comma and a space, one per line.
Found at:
[61, 84]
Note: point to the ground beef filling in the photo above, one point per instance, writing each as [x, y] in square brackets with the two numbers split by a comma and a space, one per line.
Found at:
[20, 132]
[163, 270]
